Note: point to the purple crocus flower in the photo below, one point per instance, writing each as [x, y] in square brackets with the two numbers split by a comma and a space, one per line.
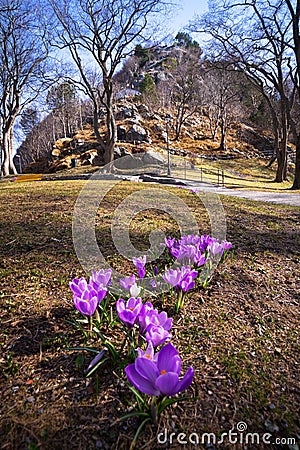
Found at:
[160, 376]
[186, 253]
[173, 277]
[140, 265]
[157, 335]
[175, 251]
[127, 282]
[215, 248]
[153, 284]
[226, 245]
[205, 240]
[169, 242]
[145, 308]
[181, 278]
[78, 285]
[101, 278]
[187, 283]
[190, 239]
[200, 259]
[153, 317]
[86, 303]
[149, 353]
[129, 311]
[84, 291]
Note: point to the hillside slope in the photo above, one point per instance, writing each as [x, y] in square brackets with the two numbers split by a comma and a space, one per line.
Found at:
[140, 130]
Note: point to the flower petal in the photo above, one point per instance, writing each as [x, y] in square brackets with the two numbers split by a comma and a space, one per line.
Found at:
[186, 380]
[147, 369]
[140, 382]
[168, 359]
[167, 383]
[120, 305]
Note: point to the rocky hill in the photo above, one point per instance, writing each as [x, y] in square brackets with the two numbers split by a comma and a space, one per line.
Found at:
[140, 130]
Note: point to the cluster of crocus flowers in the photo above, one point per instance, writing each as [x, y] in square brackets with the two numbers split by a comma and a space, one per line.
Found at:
[182, 280]
[157, 374]
[196, 255]
[196, 250]
[153, 325]
[88, 295]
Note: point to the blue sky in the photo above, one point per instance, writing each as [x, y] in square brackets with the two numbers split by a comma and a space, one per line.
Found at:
[188, 9]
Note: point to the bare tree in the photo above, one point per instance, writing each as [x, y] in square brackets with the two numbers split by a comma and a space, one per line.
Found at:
[102, 33]
[294, 11]
[65, 106]
[255, 37]
[22, 54]
[185, 86]
[38, 142]
[221, 92]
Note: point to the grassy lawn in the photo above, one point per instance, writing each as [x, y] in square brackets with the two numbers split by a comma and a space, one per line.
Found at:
[240, 173]
[241, 334]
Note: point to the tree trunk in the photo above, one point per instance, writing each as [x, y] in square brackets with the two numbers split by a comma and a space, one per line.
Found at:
[281, 173]
[213, 123]
[8, 166]
[110, 122]
[296, 183]
[223, 133]
[281, 165]
[111, 138]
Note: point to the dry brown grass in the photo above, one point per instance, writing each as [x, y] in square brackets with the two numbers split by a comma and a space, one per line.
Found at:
[241, 334]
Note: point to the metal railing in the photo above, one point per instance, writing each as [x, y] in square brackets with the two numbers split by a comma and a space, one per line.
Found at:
[184, 169]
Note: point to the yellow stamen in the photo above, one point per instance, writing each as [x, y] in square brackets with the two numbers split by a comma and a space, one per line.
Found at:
[163, 372]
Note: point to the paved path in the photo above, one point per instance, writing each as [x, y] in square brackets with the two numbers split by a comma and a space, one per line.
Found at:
[274, 197]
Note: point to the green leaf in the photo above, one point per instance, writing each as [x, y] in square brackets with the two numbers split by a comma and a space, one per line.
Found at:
[167, 401]
[138, 396]
[97, 366]
[89, 349]
[134, 414]
[138, 432]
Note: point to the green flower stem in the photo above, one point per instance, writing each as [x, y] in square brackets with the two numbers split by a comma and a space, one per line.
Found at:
[153, 409]
[132, 343]
[180, 301]
[97, 315]
[90, 324]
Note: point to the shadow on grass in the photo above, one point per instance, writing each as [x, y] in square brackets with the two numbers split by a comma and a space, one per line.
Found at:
[36, 334]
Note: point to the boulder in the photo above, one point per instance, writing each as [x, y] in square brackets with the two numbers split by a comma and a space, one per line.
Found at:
[144, 112]
[98, 161]
[119, 152]
[88, 156]
[126, 112]
[152, 157]
[141, 163]
[121, 133]
[55, 152]
[137, 134]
